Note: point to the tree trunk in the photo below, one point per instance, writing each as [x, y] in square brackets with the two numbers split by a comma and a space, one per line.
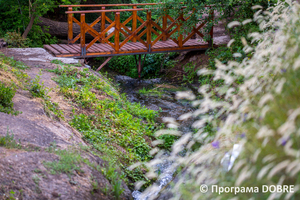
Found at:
[28, 28]
[60, 29]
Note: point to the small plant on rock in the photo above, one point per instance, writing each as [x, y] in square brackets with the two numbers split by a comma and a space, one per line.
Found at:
[6, 96]
[37, 89]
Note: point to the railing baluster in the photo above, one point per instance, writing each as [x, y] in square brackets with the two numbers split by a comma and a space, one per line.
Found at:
[134, 22]
[117, 31]
[70, 26]
[149, 30]
[103, 22]
[82, 32]
[179, 24]
[165, 23]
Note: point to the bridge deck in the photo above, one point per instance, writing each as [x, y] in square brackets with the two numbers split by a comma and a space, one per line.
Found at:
[100, 49]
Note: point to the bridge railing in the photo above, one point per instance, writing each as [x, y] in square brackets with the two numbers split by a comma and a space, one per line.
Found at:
[149, 27]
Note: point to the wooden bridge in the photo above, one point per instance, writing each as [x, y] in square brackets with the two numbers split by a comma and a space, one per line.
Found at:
[145, 35]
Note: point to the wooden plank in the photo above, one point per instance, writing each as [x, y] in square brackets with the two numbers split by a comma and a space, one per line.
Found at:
[128, 47]
[52, 50]
[105, 47]
[159, 44]
[93, 48]
[60, 49]
[97, 48]
[72, 46]
[68, 48]
[135, 46]
[138, 44]
[78, 46]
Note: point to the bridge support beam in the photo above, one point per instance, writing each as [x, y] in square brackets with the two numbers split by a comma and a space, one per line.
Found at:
[140, 64]
[103, 64]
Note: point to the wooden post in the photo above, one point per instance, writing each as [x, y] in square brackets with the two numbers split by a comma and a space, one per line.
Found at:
[134, 22]
[211, 33]
[70, 26]
[180, 35]
[139, 66]
[103, 22]
[165, 23]
[82, 32]
[149, 30]
[117, 32]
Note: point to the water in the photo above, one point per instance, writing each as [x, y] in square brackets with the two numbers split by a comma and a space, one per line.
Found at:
[169, 106]
[166, 102]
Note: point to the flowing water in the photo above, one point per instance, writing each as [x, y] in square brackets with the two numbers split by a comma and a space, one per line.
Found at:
[165, 101]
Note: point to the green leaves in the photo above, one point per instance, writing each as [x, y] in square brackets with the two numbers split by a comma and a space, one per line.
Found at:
[6, 96]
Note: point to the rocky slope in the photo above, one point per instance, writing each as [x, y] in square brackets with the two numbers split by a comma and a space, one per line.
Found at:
[42, 157]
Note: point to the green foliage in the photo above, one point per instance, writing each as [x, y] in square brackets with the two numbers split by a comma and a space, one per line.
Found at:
[14, 39]
[116, 127]
[190, 73]
[17, 14]
[52, 108]
[152, 67]
[37, 89]
[6, 96]
[112, 175]
[69, 161]
[8, 141]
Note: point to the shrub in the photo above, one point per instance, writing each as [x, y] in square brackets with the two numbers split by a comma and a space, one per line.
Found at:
[6, 96]
[14, 39]
[37, 89]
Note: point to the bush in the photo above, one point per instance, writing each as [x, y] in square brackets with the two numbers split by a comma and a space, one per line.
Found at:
[153, 64]
[14, 39]
[6, 96]
[37, 89]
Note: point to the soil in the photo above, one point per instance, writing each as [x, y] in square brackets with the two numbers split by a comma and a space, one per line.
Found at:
[22, 172]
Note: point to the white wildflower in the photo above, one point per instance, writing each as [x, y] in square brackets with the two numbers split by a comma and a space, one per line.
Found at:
[278, 168]
[234, 23]
[246, 21]
[230, 42]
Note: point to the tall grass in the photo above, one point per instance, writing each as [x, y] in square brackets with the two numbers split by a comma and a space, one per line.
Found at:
[260, 114]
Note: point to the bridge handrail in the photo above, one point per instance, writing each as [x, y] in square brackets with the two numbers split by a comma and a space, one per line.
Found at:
[167, 30]
[101, 11]
[110, 5]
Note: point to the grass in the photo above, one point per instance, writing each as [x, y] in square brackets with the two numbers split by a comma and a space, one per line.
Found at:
[8, 141]
[69, 161]
[114, 122]
[12, 77]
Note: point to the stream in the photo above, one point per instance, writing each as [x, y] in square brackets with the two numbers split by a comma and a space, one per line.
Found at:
[156, 94]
